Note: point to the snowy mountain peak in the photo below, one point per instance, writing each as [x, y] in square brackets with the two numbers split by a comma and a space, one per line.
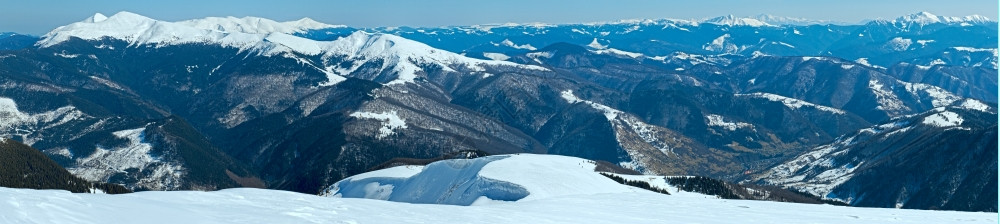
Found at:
[136, 29]
[920, 18]
[256, 25]
[96, 18]
[732, 20]
[781, 20]
[924, 18]
[125, 17]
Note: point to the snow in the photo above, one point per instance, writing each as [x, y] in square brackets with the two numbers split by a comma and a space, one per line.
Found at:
[717, 44]
[693, 59]
[626, 124]
[595, 45]
[798, 172]
[456, 182]
[921, 18]
[32, 127]
[731, 20]
[887, 100]
[543, 54]
[899, 44]
[864, 61]
[925, 18]
[403, 56]
[609, 112]
[972, 49]
[96, 18]
[548, 176]
[136, 154]
[562, 190]
[939, 97]
[496, 56]
[618, 52]
[784, 44]
[780, 20]
[976, 105]
[792, 102]
[943, 119]
[273, 206]
[390, 122]
[64, 55]
[537, 55]
[520, 177]
[508, 43]
[256, 25]
[64, 152]
[993, 51]
[137, 29]
[392, 172]
[719, 121]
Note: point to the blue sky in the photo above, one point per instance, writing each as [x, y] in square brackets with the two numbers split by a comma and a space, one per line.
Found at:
[40, 16]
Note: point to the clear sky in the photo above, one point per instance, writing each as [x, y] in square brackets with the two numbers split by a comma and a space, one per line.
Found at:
[39, 16]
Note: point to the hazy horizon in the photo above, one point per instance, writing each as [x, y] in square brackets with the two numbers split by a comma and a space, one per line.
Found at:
[37, 18]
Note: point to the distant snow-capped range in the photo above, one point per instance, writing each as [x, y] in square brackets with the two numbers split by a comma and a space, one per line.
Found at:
[267, 37]
[256, 25]
[763, 20]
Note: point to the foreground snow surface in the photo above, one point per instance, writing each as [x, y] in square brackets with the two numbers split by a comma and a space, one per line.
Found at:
[562, 190]
[271, 206]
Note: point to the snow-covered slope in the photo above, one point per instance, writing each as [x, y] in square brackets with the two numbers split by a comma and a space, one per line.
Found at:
[271, 206]
[29, 127]
[256, 25]
[648, 147]
[899, 160]
[791, 103]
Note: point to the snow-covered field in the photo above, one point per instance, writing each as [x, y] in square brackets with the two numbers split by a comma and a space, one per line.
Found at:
[271, 206]
[582, 197]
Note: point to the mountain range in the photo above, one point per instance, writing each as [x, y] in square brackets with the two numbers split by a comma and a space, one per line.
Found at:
[813, 106]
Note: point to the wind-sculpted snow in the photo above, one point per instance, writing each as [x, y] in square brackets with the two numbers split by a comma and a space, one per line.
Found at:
[518, 177]
[454, 182]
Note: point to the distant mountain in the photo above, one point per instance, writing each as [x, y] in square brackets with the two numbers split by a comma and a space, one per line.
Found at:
[780, 20]
[731, 20]
[880, 43]
[14, 41]
[926, 18]
[940, 159]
